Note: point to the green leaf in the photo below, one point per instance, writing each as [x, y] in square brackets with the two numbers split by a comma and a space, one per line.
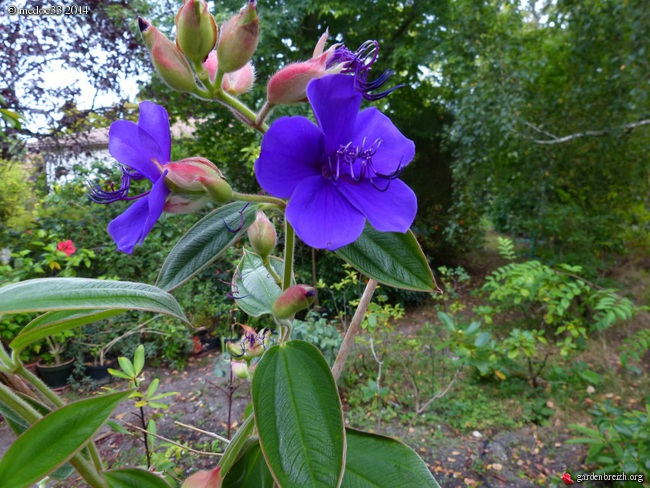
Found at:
[235, 446]
[204, 243]
[118, 374]
[138, 364]
[253, 286]
[49, 294]
[55, 438]
[391, 258]
[55, 322]
[374, 461]
[298, 416]
[132, 478]
[127, 366]
[250, 471]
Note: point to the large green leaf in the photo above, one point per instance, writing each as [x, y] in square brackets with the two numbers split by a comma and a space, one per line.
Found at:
[250, 471]
[253, 286]
[299, 417]
[236, 445]
[54, 322]
[52, 294]
[54, 439]
[204, 243]
[391, 258]
[374, 461]
[19, 425]
[133, 478]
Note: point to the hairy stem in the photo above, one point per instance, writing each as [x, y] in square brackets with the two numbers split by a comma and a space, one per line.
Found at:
[289, 242]
[251, 197]
[353, 330]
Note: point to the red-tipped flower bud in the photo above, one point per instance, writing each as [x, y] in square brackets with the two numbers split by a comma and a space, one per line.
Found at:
[289, 85]
[204, 479]
[196, 30]
[239, 37]
[262, 235]
[167, 59]
[194, 181]
[293, 299]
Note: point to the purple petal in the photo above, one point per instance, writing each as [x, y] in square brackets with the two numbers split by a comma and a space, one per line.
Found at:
[135, 148]
[155, 122]
[132, 226]
[336, 103]
[395, 151]
[322, 217]
[392, 210]
[291, 151]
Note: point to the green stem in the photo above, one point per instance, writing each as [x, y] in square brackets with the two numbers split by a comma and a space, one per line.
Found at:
[289, 242]
[267, 264]
[18, 405]
[87, 471]
[5, 359]
[251, 197]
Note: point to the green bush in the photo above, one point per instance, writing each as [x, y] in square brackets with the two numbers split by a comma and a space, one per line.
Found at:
[619, 443]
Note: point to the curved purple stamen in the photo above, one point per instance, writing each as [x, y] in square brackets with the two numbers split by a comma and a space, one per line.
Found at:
[241, 220]
[360, 63]
[98, 195]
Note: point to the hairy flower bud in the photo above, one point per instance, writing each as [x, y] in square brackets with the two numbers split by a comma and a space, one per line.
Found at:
[239, 37]
[193, 181]
[204, 479]
[239, 81]
[262, 235]
[289, 85]
[196, 30]
[167, 59]
[293, 299]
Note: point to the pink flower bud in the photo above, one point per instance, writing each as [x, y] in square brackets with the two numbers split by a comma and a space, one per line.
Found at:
[262, 235]
[196, 30]
[167, 59]
[239, 37]
[240, 370]
[239, 81]
[210, 64]
[289, 85]
[204, 479]
[191, 180]
[292, 300]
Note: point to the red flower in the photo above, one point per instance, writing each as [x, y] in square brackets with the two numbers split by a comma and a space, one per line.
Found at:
[566, 478]
[67, 247]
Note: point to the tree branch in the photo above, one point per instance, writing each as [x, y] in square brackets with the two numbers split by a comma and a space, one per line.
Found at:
[588, 133]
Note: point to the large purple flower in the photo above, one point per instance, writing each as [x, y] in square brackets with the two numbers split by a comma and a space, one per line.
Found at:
[341, 172]
[142, 149]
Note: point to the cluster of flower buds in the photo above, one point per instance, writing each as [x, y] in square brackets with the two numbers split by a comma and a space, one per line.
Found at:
[192, 182]
[200, 48]
[293, 300]
[252, 345]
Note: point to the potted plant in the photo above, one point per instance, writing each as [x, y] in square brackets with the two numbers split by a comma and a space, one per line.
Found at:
[54, 367]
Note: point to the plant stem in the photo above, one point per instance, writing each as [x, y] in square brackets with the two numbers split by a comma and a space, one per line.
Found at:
[263, 113]
[289, 242]
[5, 359]
[244, 113]
[87, 472]
[144, 438]
[251, 197]
[269, 268]
[355, 325]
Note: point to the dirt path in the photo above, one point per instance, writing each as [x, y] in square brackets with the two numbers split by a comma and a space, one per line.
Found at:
[524, 458]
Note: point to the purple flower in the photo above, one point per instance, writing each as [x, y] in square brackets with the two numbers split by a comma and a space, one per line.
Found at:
[341, 172]
[142, 149]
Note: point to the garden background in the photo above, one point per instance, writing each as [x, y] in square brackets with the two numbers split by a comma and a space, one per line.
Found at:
[532, 127]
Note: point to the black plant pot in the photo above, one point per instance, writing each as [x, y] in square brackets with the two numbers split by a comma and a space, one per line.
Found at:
[99, 372]
[56, 376]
